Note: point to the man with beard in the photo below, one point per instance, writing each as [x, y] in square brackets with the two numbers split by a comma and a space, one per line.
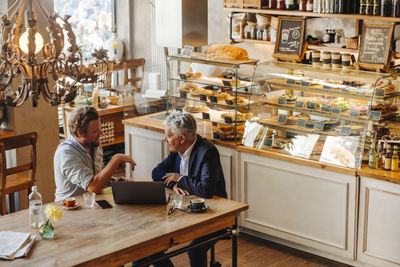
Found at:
[78, 161]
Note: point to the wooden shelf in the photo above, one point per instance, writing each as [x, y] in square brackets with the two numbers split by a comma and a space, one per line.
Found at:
[312, 14]
[253, 41]
[117, 140]
[332, 49]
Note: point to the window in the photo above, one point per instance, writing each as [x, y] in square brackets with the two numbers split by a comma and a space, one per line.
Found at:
[90, 20]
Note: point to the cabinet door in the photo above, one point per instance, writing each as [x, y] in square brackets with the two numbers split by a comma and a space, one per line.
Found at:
[228, 160]
[379, 223]
[146, 148]
[311, 207]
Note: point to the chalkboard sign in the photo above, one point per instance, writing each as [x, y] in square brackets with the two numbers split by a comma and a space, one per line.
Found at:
[375, 44]
[213, 99]
[336, 110]
[345, 130]
[282, 119]
[299, 104]
[375, 115]
[183, 94]
[311, 105]
[226, 83]
[326, 108]
[319, 125]
[182, 76]
[289, 43]
[203, 97]
[282, 101]
[205, 115]
[379, 92]
[354, 113]
[301, 123]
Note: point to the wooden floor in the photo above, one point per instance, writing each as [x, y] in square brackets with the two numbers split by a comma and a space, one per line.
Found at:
[256, 252]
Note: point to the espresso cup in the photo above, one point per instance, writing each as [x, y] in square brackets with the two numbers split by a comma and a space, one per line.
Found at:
[69, 202]
[197, 204]
[336, 62]
[326, 60]
[346, 62]
[316, 58]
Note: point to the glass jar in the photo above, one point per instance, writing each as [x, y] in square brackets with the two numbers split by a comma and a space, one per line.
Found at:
[396, 9]
[290, 5]
[309, 6]
[363, 7]
[369, 9]
[376, 10]
[386, 8]
[265, 35]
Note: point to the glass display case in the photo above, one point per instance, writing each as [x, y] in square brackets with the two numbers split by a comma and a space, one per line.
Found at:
[216, 92]
[318, 114]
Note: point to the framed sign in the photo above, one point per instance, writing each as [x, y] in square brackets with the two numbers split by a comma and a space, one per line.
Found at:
[375, 44]
[289, 43]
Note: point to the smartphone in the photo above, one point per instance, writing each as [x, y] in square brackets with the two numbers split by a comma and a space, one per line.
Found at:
[104, 204]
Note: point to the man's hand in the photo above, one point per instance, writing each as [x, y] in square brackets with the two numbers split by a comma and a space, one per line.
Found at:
[122, 159]
[171, 177]
[180, 190]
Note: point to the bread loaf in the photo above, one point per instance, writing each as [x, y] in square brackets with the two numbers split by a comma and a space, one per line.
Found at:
[229, 52]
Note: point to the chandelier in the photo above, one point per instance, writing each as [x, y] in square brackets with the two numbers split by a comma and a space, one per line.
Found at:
[26, 58]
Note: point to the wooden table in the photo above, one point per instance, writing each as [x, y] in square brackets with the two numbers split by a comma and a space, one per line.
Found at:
[112, 237]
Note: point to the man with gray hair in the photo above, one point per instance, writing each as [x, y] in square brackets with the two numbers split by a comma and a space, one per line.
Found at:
[78, 161]
[192, 167]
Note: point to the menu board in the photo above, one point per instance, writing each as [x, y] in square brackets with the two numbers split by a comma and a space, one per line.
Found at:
[290, 38]
[375, 43]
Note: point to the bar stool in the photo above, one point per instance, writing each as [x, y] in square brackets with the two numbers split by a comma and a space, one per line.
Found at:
[22, 176]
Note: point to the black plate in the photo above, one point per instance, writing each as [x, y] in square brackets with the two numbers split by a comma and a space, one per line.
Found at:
[198, 211]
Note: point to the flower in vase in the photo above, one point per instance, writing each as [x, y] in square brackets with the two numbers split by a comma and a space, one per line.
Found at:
[53, 213]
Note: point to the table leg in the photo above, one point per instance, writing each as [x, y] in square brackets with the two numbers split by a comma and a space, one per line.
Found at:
[234, 244]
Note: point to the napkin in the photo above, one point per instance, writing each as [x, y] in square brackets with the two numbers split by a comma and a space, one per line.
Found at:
[15, 244]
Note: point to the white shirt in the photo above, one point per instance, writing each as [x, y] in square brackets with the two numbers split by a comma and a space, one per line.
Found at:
[184, 165]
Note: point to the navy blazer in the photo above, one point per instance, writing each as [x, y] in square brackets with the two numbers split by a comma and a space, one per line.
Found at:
[205, 176]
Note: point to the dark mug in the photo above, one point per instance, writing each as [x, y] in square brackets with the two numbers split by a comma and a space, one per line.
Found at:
[197, 204]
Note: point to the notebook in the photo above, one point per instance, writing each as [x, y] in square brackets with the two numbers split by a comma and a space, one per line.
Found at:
[138, 192]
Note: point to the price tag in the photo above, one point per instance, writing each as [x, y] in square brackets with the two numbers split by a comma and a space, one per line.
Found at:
[379, 92]
[345, 130]
[310, 124]
[216, 135]
[311, 105]
[226, 83]
[282, 119]
[229, 102]
[183, 94]
[290, 81]
[299, 104]
[228, 119]
[319, 125]
[305, 83]
[187, 51]
[268, 142]
[282, 101]
[205, 115]
[354, 113]
[203, 97]
[182, 76]
[214, 99]
[337, 110]
[375, 115]
[326, 108]
[301, 123]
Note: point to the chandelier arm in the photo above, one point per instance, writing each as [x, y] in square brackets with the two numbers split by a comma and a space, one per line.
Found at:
[11, 7]
[19, 24]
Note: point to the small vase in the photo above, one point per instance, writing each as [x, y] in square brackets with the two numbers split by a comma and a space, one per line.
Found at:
[47, 230]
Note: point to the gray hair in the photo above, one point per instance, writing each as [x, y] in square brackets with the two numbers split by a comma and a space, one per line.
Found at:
[181, 123]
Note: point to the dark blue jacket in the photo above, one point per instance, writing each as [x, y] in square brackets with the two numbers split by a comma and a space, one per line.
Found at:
[205, 176]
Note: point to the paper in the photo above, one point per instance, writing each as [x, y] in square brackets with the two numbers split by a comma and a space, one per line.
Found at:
[251, 130]
[15, 244]
[302, 145]
[340, 150]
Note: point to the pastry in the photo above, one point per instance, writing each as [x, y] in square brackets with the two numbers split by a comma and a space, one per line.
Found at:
[195, 109]
[291, 120]
[191, 75]
[229, 52]
[239, 116]
[197, 91]
[240, 100]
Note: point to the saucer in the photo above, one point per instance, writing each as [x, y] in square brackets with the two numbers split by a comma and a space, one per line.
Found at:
[204, 209]
[71, 208]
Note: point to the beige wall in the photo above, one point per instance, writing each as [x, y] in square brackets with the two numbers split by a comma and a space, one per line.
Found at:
[43, 120]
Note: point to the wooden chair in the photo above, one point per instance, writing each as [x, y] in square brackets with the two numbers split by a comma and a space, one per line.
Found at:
[22, 176]
[133, 72]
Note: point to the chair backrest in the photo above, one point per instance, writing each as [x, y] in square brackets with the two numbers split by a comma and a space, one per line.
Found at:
[15, 142]
[133, 72]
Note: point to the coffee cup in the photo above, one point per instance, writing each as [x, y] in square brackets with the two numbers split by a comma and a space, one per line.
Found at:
[69, 202]
[197, 204]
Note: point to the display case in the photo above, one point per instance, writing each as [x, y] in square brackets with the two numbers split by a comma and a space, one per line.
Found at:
[318, 114]
[216, 92]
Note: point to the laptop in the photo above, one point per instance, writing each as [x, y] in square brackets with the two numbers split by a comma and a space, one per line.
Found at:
[138, 192]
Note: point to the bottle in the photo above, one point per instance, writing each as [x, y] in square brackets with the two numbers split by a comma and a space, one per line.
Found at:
[271, 4]
[376, 11]
[309, 6]
[386, 8]
[378, 158]
[280, 4]
[302, 5]
[363, 7]
[388, 158]
[290, 5]
[396, 9]
[265, 35]
[95, 97]
[35, 208]
[372, 156]
[394, 166]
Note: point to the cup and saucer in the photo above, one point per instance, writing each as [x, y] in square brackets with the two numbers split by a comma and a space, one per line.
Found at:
[70, 203]
[197, 205]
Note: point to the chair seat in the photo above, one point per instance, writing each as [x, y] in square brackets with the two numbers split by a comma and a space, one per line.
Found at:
[16, 182]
